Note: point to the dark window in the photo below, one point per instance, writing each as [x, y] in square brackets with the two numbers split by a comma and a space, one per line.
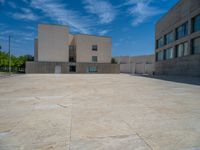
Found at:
[92, 69]
[160, 43]
[196, 24]
[94, 47]
[72, 68]
[196, 46]
[160, 56]
[182, 50]
[94, 58]
[169, 53]
[72, 59]
[182, 31]
[169, 38]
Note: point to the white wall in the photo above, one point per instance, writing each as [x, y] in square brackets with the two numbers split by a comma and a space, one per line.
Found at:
[137, 64]
[52, 43]
[84, 51]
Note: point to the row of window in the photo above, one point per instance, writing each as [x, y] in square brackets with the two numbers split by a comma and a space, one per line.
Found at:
[73, 48]
[180, 32]
[180, 50]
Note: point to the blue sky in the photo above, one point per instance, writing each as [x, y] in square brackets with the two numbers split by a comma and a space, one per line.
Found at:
[130, 23]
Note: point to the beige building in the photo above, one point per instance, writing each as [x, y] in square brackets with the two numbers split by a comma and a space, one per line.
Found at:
[58, 51]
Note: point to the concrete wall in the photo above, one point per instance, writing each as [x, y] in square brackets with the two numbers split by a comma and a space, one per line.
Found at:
[46, 67]
[137, 64]
[187, 66]
[84, 48]
[49, 67]
[101, 67]
[182, 12]
[52, 43]
[36, 50]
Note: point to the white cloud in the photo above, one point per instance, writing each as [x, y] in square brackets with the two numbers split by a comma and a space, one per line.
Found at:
[103, 9]
[58, 12]
[26, 14]
[103, 32]
[142, 10]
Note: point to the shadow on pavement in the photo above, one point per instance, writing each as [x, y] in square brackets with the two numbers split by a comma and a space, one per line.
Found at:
[178, 79]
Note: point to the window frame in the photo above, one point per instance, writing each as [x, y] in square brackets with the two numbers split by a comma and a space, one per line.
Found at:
[95, 47]
[94, 60]
[181, 26]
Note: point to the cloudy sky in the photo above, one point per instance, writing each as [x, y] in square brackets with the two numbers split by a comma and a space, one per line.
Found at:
[130, 23]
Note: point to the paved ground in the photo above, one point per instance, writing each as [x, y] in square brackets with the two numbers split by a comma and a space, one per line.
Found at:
[98, 112]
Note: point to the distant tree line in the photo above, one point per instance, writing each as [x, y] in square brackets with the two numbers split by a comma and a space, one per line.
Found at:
[17, 63]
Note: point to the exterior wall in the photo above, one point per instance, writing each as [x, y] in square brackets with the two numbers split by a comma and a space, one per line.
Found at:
[52, 43]
[84, 51]
[182, 12]
[46, 67]
[101, 67]
[36, 50]
[137, 64]
[49, 67]
[187, 66]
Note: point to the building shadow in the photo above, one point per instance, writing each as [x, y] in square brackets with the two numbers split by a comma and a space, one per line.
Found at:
[178, 79]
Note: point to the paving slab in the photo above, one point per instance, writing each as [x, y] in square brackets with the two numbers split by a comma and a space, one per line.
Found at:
[99, 111]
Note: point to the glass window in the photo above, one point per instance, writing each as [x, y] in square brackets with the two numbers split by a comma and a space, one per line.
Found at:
[169, 53]
[182, 50]
[160, 56]
[94, 58]
[169, 38]
[92, 69]
[160, 43]
[196, 46]
[94, 47]
[196, 23]
[182, 31]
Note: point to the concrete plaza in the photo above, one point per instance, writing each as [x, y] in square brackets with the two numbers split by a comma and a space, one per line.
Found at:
[98, 112]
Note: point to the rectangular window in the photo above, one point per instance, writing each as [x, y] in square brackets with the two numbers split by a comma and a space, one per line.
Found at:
[160, 56]
[196, 24]
[160, 43]
[196, 46]
[94, 47]
[92, 69]
[94, 58]
[182, 50]
[182, 31]
[169, 53]
[169, 38]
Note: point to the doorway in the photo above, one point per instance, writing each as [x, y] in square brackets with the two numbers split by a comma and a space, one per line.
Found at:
[72, 68]
[57, 69]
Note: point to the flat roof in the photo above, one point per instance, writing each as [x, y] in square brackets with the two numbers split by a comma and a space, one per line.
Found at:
[92, 35]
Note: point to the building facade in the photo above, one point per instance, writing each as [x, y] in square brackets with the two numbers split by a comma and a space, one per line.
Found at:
[178, 40]
[137, 64]
[58, 51]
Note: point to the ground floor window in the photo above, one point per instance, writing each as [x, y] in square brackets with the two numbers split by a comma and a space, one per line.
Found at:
[160, 56]
[196, 46]
[72, 68]
[169, 53]
[182, 49]
[92, 69]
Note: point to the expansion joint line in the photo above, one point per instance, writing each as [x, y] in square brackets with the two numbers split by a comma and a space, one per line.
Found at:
[70, 128]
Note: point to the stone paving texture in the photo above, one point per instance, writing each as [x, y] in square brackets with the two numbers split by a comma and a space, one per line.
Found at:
[98, 112]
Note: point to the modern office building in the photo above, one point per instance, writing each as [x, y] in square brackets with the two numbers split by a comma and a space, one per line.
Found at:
[178, 40]
[58, 51]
